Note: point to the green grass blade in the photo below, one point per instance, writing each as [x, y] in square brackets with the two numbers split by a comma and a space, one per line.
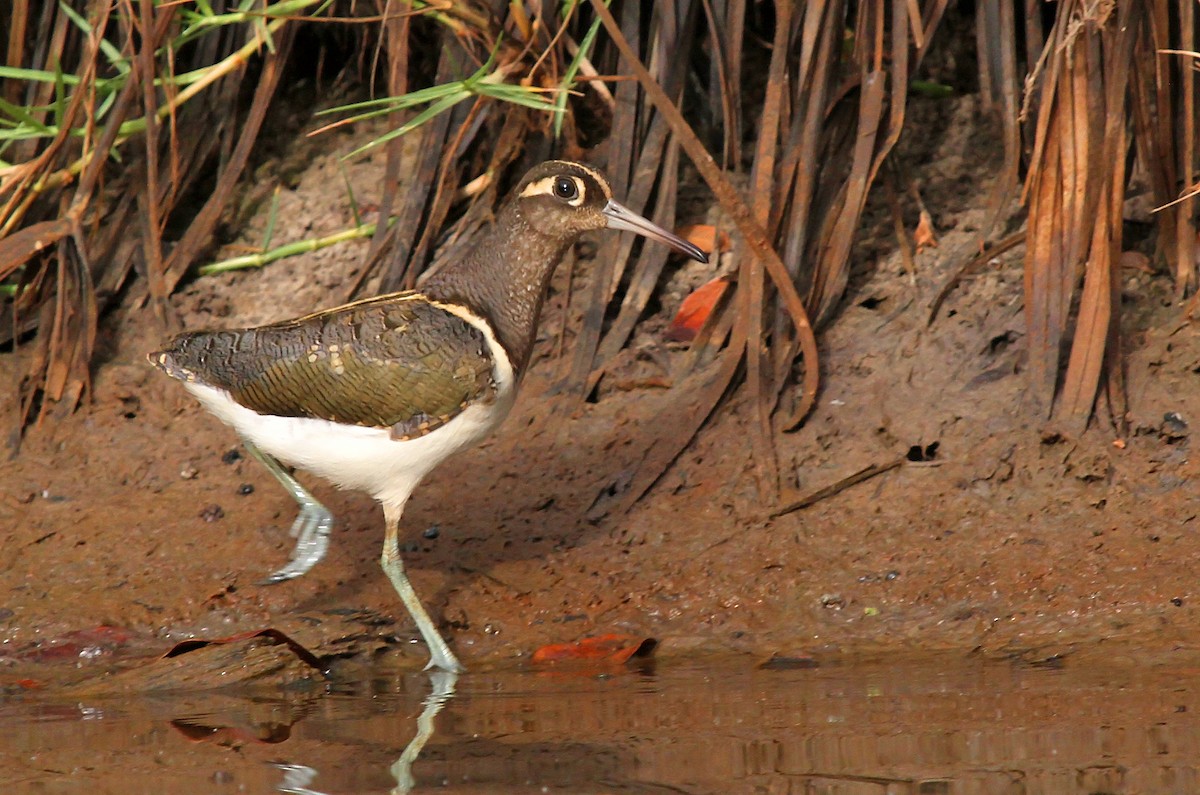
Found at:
[411, 99]
[60, 95]
[516, 95]
[568, 81]
[111, 53]
[350, 194]
[272, 216]
[412, 124]
[23, 117]
[289, 250]
[36, 75]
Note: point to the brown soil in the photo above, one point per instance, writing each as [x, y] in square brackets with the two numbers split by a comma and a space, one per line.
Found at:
[1018, 537]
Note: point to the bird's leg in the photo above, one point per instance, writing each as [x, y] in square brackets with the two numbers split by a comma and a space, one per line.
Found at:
[443, 691]
[440, 655]
[311, 528]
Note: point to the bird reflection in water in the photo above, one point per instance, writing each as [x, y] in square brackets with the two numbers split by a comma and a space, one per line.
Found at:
[296, 778]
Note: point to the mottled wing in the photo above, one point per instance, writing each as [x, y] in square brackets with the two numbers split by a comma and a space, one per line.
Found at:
[397, 361]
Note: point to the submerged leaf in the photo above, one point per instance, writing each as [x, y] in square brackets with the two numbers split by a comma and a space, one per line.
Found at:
[608, 648]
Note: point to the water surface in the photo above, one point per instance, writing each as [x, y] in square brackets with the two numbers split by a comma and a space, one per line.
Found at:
[931, 726]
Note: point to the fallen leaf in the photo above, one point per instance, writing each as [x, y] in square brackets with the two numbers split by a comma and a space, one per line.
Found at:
[608, 648]
[183, 647]
[925, 235]
[233, 736]
[705, 237]
[695, 310]
[98, 641]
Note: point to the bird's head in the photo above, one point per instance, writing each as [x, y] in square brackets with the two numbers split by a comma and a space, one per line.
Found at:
[572, 198]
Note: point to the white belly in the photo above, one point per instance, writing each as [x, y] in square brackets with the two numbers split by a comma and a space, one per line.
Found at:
[354, 457]
[368, 459]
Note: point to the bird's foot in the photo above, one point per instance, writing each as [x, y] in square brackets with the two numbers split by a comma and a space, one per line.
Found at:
[311, 530]
[441, 658]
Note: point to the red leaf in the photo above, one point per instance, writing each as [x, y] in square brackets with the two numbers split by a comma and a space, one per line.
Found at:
[695, 310]
[98, 641]
[609, 648]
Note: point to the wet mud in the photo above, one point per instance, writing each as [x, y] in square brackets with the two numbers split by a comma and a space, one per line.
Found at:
[135, 523]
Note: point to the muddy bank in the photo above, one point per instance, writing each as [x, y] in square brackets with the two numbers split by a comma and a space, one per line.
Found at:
[1012, 536]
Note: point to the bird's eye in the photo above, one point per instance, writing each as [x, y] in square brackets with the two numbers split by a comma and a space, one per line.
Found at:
[565, 188]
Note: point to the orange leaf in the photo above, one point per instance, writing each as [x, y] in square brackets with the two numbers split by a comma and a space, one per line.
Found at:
[706, 237]
[925, 235]
[609, 648]
[695, 310]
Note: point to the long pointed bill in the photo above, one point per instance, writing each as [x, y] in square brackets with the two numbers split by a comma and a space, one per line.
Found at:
[621, 217]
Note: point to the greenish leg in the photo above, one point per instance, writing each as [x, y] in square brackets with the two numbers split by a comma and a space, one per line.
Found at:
[311, 528]
[442, 691]
[440, 655]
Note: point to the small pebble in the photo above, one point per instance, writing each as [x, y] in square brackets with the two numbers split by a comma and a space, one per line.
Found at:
[246, 488]
[1177, 602]
[432, 531]
[212, 513]
[231, 456]
[188, 472]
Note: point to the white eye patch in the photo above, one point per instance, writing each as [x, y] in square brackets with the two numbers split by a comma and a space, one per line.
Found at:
[546, 187]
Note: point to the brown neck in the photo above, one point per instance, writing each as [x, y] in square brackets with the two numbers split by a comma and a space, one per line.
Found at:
[504, 279]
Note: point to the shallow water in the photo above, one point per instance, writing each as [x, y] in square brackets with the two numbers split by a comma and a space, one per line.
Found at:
[928, 727]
